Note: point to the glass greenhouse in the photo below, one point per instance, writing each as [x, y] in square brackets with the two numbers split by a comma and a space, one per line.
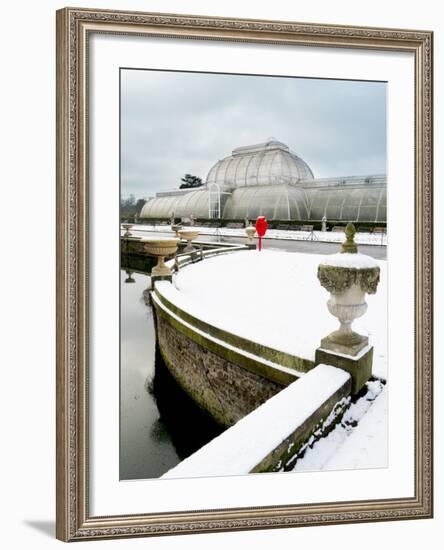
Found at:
[268, 179]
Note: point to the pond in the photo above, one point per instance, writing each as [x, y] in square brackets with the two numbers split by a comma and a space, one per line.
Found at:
[159, 424]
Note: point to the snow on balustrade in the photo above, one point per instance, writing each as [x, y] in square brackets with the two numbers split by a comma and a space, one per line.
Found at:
[243, 446]
[275, 299]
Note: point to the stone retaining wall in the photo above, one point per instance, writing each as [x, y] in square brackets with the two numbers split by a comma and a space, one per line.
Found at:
[299, 365]
[228, 392]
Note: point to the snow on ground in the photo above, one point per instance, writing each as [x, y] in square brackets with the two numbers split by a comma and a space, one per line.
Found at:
[275, 299]
[366, 446]
[323, 236]
[351, 446]
[243, 446]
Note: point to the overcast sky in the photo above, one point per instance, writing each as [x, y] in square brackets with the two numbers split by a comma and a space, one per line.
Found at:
[175, 123]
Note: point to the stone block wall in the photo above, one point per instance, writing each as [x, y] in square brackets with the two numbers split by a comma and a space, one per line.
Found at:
[227, 391]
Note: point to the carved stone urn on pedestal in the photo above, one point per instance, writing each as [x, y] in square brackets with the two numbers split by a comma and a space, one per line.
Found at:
[130, 278]
[127, 227]
[348, 276]
[189, 235]
[176, 228]
[160, 248]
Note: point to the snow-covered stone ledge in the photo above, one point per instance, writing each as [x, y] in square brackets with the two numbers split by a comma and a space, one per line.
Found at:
[225, 380]
[174, 304]
[272, 434]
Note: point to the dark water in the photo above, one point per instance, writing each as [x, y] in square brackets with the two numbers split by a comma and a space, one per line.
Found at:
[159, 424]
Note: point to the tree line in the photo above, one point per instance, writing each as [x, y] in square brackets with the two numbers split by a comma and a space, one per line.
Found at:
[129, 206]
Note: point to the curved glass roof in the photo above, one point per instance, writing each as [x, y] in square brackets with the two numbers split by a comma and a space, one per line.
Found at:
[183, 204]
[278, 202]
[363, 203]
[266, 163]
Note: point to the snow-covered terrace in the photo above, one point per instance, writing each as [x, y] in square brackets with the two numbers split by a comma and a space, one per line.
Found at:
[275, 299]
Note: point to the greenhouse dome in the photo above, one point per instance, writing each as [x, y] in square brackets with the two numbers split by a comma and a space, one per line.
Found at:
[260, 164]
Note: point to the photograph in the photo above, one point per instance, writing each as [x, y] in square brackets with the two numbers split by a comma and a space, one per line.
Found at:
[253, 274]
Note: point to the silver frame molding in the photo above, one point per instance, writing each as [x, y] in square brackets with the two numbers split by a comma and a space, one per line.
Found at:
[73, 519]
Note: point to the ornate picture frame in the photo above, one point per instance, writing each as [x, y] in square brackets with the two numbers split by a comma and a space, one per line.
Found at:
[74, 518]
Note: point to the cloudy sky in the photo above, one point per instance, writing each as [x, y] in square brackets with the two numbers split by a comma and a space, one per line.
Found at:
[174, 123]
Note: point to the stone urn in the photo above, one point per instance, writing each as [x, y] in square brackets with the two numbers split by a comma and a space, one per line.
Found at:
[176, 228]
[250, 231]
[160, 248]
[348, 276]
[127, 227]
[189, 235]
[130, 278]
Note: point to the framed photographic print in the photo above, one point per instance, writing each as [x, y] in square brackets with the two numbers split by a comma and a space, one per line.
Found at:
[244, 274]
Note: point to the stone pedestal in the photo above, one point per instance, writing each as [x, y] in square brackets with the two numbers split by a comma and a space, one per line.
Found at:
[353, 348]
[359, 366]
[155, 278]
